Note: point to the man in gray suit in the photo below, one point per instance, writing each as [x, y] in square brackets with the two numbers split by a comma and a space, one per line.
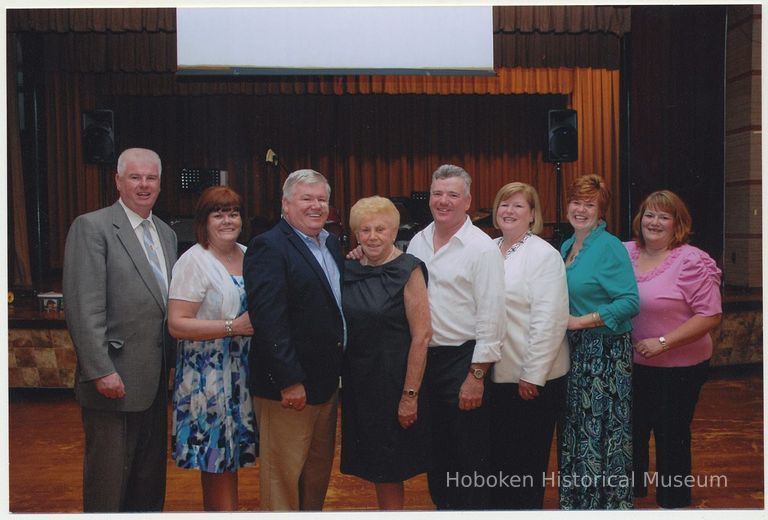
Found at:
[117, 266]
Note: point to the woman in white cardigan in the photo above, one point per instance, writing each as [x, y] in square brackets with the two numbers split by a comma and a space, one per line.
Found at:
[527, 386]
[214, 428]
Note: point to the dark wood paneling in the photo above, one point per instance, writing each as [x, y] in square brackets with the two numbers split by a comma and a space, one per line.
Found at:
[677, 107]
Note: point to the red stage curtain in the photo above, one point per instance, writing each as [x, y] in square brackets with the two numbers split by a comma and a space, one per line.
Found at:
[19, 274]
[368, 134]
[365, 144]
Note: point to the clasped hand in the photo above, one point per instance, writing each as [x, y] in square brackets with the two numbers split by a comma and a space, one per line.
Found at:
[649, 347]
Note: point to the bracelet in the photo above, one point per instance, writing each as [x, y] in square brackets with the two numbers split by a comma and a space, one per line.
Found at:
[596, 319]
[228, 327]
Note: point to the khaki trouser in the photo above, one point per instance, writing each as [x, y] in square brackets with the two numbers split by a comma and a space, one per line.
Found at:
[296, 451]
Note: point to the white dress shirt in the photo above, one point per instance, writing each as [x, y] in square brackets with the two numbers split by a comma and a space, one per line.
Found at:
[136, 220]
[535, 348]
[466, 289]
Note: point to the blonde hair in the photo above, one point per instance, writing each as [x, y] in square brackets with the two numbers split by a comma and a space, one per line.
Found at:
[375, 205]
[531, 197]
[591, 187]
[668, 202]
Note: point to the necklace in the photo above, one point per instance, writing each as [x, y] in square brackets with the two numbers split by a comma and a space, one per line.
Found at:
[229, 256]
[572, 254]
[514, 247]
[390, 257]
[655, 253]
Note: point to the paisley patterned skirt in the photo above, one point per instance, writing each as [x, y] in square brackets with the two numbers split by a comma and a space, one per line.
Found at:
[595, 433]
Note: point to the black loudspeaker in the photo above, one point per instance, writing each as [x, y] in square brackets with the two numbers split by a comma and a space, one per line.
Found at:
[420, 211]
[98, 136]
[563, 143]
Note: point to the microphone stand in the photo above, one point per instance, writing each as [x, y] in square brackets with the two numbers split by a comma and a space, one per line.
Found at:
[273, 160]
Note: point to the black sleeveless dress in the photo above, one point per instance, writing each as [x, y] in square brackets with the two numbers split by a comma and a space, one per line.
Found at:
[373, 444]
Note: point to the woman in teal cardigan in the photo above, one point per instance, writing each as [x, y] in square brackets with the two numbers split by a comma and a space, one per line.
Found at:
[596, 432]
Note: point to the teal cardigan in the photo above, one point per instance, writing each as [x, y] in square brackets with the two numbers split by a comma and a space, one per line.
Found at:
[601, 279]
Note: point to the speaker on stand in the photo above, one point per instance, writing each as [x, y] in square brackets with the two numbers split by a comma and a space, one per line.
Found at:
[98, 140]
[98, 136]
[562, 146]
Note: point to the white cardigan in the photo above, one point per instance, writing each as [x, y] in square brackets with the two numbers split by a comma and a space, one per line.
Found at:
[535, 348]
[199, 277]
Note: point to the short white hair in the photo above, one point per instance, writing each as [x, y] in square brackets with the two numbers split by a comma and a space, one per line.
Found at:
[138, 153]
[306, 176]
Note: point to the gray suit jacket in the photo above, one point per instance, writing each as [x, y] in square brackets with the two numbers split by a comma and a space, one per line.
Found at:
[115, 312]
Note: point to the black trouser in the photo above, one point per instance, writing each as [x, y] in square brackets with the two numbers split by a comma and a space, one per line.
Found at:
[125, 458]
[459, 438]
[521, 439]
[664, 402]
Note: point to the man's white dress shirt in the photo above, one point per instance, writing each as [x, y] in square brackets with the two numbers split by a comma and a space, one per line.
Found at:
[466, 289]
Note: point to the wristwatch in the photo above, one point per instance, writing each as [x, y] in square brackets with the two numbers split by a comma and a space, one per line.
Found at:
[663, 341]
[477, 372]
[410, 392]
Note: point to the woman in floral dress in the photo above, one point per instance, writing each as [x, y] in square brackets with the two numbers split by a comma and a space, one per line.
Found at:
[214, 428]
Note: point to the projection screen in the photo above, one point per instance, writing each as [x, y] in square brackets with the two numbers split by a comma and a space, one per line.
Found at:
[335, 40]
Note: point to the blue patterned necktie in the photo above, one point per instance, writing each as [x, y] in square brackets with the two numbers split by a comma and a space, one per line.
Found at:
[154, 261]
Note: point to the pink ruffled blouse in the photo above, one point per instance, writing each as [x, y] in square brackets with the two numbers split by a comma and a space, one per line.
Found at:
[687, 283]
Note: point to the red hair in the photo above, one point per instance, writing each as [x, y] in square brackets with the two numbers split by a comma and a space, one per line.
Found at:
[668, 202]
[215, 198]
[591, 187]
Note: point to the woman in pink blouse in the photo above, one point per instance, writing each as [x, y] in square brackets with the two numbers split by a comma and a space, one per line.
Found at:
[680, 303]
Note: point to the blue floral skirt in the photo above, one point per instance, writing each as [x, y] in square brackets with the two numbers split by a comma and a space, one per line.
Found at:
[214, 426]
[595, 433]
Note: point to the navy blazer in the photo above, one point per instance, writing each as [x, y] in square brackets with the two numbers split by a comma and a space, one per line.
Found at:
[298, 330]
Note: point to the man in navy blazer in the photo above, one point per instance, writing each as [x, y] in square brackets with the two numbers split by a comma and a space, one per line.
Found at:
[293, 278]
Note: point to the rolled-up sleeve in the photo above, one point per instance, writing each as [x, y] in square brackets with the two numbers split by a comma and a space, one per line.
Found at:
[489, 300]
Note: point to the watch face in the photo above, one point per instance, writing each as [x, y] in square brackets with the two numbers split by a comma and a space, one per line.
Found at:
[478, 373]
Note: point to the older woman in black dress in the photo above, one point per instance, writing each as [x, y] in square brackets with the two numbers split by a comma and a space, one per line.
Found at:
[387, 313]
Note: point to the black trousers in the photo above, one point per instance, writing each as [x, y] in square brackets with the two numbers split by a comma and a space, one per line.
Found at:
[459, 438]
[521, 438]
[664, 401]
[125, 458]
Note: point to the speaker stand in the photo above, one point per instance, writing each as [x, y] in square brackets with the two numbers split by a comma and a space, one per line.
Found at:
[104, 184]
[557, 237]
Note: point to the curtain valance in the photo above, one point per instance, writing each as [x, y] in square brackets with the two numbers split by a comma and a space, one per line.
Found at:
[506, 19]
[144, 40]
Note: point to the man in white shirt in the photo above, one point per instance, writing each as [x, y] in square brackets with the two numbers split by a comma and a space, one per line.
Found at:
[466, 299]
